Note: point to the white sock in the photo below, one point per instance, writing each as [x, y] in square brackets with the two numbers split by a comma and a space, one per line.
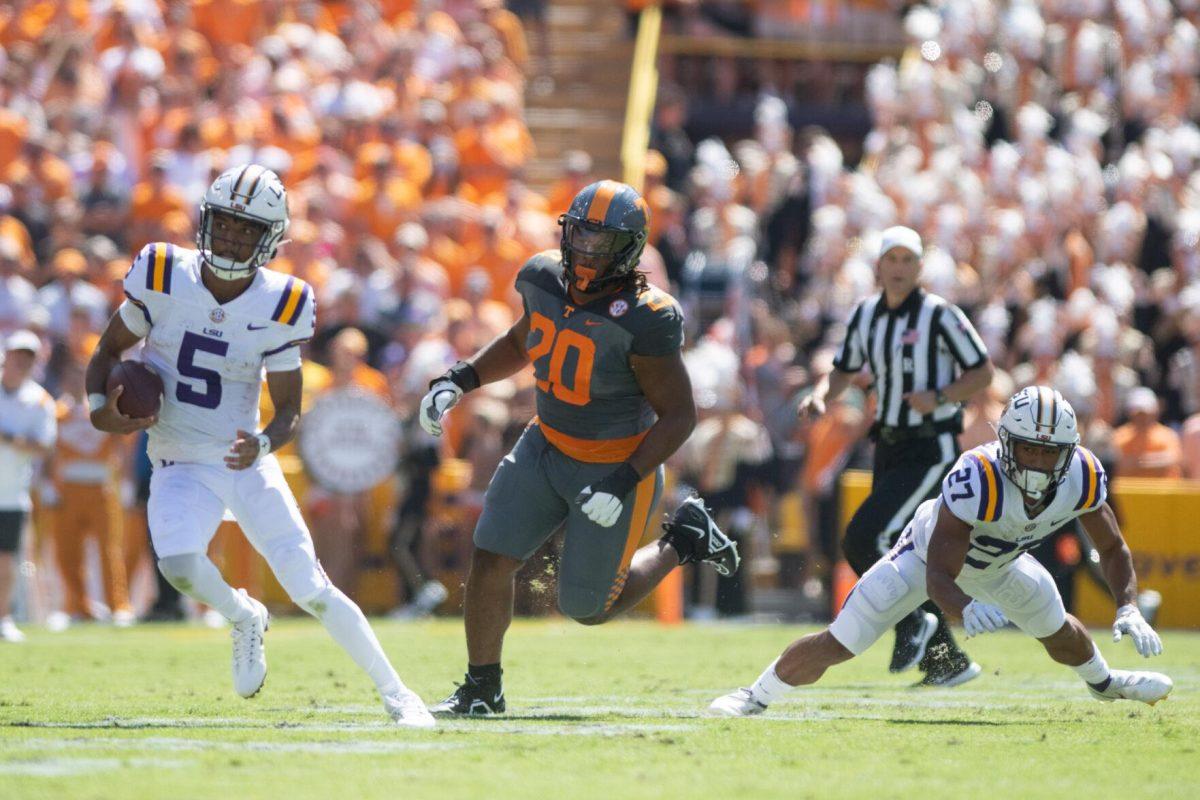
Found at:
[1094, 671]
[349, 628]
[198, 578]
[769, 687]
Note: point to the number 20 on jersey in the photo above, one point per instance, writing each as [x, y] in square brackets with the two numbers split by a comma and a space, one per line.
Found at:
[558, 344]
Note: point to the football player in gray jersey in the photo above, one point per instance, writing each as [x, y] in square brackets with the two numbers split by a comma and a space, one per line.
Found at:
[613, 403]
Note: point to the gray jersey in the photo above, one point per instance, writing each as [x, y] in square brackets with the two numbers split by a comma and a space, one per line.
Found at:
[589, 403]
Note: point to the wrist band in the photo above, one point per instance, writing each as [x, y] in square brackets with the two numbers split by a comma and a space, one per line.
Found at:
[621, 481]
[462, 375]
[264, 444]
[96, 401]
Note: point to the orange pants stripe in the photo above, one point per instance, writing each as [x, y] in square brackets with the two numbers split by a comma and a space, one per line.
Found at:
[642, 500]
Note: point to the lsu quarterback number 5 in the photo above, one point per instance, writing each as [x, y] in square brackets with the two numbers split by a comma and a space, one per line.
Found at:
[193, 343]
[559, 344]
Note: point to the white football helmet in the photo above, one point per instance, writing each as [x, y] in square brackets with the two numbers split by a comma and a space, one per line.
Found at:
[1041, 416]
[249, 192]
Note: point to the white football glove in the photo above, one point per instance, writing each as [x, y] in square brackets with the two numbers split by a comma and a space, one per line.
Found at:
[1130, 621]
[441, 397]
[602, 508]
[603, 502]
[982, 618]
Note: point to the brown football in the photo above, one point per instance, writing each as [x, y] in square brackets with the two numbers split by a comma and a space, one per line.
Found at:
[142, 396]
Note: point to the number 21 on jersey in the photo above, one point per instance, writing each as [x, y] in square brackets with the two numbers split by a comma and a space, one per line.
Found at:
[559, 345]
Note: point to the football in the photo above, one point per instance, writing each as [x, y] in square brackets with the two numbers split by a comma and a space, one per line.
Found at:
[143, 392]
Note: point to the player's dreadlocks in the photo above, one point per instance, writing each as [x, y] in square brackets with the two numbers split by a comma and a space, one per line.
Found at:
[637, 281]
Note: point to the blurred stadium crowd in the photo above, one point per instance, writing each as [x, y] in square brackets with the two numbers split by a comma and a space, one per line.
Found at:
[1046, 151]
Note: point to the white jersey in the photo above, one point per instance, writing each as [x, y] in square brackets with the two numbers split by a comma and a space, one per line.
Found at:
[29, 413]
[211, 357]
[977, 492]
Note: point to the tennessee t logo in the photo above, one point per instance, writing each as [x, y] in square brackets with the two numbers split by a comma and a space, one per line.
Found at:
[567, 311]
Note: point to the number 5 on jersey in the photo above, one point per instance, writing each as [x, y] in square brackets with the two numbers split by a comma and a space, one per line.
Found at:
[193, 343]
[558, 345]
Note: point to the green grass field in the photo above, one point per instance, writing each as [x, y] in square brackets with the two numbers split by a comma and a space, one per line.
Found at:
[609, 712]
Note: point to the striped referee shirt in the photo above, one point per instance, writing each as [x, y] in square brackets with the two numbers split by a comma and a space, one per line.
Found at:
[924, 344]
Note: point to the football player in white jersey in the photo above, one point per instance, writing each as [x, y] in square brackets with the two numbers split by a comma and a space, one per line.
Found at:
[967, 550]
[214, 319]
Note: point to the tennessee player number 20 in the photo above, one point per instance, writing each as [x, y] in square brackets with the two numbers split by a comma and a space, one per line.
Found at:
[558, 345]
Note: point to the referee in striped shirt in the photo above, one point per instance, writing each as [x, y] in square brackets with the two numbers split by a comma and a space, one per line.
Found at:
[925, 360]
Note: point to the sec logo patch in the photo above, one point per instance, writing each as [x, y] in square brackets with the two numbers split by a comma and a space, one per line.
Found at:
[217, 315]
[618, 308]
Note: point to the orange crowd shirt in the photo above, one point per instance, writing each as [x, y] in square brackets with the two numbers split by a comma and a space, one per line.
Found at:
[1153, 452]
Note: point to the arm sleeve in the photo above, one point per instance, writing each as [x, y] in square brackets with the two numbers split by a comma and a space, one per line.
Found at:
[960, 336]
[662, 332]
[284, 356]
[851, 356]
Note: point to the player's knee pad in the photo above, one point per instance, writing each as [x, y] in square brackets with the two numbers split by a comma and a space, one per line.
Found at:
[1030, 599]
[182, 571]
[1017, 591]
[298, 572]
[582, 605]
[882, 588]
[878, 600]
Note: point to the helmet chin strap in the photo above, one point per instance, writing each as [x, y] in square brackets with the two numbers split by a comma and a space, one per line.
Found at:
[227, 274]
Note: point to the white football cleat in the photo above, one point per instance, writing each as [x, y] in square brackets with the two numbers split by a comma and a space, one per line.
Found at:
[9, 632]
[407, 710]
[738, 703]
[124, 618]
[1145, 687]
[249, 657]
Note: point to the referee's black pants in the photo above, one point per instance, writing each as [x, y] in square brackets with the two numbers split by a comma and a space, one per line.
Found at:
[904, 475]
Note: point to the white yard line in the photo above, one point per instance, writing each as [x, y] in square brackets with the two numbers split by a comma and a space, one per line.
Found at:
[66, 765]
[177, 744]
[532, 728]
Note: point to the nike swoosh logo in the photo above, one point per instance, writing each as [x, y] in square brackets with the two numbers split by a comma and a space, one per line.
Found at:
[589, 323]
[257, 327]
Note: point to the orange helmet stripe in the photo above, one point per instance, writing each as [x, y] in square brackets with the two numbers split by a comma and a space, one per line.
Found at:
[597, 210]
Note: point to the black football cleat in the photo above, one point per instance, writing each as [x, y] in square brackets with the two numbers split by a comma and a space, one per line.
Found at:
[912, 638]
[695, 535]
[472, 699]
